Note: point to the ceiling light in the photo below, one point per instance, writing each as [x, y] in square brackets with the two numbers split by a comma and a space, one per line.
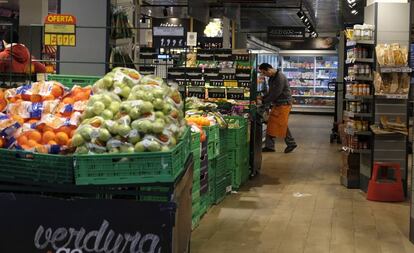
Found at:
[165, 11]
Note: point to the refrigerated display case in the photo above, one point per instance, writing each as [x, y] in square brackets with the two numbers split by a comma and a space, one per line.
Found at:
[308, 78]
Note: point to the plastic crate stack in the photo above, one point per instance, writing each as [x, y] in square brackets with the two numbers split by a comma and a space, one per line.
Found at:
[220, 178]
[204, 186]
[237, 144]
[196, 204]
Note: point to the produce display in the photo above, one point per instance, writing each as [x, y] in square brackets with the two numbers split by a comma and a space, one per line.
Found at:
[130, 113]
[42, 116]
[124, 112]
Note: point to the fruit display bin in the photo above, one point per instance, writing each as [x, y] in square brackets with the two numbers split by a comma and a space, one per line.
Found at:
[115, 169]
[17, 166]
[72, 80]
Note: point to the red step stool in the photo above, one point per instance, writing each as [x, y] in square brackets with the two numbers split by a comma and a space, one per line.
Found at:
[382, 187]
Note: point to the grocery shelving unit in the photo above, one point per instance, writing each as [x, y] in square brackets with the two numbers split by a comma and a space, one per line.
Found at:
[308, 77]
[358, 93]
[391, 22]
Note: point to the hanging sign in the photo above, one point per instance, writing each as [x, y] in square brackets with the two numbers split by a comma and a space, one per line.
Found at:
[284, 32]
[60, 30]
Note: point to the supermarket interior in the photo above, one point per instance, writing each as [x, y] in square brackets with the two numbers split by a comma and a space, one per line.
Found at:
[206, 126]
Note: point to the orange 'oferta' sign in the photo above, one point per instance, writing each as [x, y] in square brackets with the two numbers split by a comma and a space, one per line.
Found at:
[60, 30]
[62, 19]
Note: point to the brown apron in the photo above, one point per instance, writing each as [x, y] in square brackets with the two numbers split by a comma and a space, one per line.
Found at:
[277, 124]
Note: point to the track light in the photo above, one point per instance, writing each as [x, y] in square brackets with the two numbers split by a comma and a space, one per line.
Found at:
[301, 14]
[314, 34]
[165, 11]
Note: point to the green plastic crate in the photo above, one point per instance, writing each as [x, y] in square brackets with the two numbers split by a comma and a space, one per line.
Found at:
[195, 141]
[17, 166]
[213, 133]
[213, 149]
[113, 169]
[72, 80]
[238, 136]
[221, 166]
[157, 193]
[221, 188]
[222, 141]
[238, 164]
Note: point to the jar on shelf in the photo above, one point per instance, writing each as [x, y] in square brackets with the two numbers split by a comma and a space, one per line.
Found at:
[366, 90]
[355, 89]
[357, 32]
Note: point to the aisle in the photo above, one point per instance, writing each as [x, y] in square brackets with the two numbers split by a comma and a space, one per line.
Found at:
[298, 205]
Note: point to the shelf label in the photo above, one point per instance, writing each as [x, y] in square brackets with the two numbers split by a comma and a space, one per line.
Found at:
[60, 30]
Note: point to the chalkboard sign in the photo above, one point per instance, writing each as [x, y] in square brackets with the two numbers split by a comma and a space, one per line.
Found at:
[35, 224]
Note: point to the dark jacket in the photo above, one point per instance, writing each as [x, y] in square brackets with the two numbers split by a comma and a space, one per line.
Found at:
[17, 60]
[279, 90]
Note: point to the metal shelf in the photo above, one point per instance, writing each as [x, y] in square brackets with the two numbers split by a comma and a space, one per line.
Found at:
[395, 70]
[352, 43]
[313, 96]
[357, 114]
[392, 96]
[362, 60]
[352, 97]
[310, 87]
[353, 132]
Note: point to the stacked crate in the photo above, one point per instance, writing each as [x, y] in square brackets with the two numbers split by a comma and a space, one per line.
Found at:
[237, 143]
[196, 151]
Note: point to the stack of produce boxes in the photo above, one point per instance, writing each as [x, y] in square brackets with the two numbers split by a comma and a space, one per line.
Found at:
[237, 141]
[219, 173]
[204, 186]
[196, 151]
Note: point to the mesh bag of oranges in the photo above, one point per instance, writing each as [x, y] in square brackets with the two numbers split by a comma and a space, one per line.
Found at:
[36, 92]
[52, 134]
[8, 128]
[75, 101]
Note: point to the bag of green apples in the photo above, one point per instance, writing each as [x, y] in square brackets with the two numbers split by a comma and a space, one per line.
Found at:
[129, 113]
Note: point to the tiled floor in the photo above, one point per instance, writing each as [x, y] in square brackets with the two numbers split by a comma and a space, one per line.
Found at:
[298, 205]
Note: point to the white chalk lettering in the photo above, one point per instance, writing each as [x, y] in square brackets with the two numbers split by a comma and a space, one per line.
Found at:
[58, 236]
[154, 242]
[38, 234]
[70, 240]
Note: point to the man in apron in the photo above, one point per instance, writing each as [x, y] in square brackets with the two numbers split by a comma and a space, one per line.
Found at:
[281, 100]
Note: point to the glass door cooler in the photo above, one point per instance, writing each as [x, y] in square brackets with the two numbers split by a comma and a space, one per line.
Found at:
[308, 77]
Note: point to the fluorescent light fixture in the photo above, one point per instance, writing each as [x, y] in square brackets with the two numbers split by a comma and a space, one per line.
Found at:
[4, 1]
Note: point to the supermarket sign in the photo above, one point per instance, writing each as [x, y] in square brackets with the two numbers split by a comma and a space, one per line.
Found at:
[60, 30]
[39, 224]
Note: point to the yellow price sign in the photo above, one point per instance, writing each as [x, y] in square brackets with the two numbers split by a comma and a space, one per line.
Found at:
[60, 30]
